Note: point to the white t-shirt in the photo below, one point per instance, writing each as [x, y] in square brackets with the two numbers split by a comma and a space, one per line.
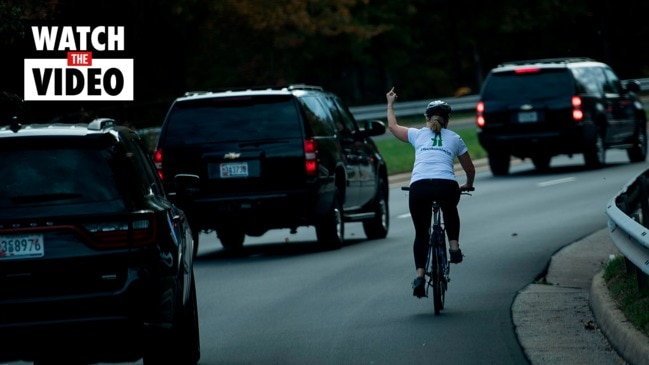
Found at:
[435, 154]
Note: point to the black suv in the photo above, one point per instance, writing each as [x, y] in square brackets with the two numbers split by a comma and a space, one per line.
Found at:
[542, 108]
[96, 263]
[273, 158]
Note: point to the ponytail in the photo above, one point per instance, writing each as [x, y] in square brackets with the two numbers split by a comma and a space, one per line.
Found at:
[435, 126]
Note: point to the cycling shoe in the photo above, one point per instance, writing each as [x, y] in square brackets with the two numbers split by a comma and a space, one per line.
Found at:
[419, 287]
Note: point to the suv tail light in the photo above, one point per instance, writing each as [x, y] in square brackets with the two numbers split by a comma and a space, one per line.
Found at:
[136, 231]
[479, 118]
[311, 157]
[577, 113]
[157, 160]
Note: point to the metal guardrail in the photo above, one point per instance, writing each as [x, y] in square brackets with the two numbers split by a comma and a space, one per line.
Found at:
[460, 104]
[410, 108]
[628, 219]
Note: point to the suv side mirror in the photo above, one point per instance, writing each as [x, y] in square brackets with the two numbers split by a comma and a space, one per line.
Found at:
[370, 128]
[633, 86]
[186, 185]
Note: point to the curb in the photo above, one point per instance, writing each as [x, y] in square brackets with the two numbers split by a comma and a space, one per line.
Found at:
[632, 344]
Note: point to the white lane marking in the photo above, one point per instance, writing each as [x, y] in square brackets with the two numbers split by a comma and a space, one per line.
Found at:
[404, 215]
[556, 182]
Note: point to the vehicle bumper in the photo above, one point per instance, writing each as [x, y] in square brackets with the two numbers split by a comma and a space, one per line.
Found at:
[268, 211]
[106, 325]
[527, 145]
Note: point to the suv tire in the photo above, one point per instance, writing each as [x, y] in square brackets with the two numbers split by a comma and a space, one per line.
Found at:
[541, 162]
[231, 238]
[638, 153]
[378, 226]
[181, 344]
[499, 163]
[595, 157]
[330, 230]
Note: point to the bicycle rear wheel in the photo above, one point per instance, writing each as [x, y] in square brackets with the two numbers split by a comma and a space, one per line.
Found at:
[437, 274]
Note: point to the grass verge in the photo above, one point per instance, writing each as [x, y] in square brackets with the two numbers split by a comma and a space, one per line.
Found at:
[400, 156]
[631, 300]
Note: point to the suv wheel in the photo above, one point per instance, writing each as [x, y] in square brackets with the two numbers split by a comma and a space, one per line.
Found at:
[541, 162]
[638, 152]
[596, 155]
[180, 345]
[499, 163]
[377, 227]
[231, 238]
[330, 230]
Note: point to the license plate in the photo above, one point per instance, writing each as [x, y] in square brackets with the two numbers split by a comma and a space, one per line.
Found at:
[527, 117]
[234, 169]
[21, 246]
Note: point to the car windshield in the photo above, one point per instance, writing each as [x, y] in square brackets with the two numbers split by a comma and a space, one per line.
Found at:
[48, 177]
[546, 84]
[233, 119]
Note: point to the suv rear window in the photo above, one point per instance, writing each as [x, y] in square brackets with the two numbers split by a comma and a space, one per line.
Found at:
[545, 84]
[233, 119]
[55, 177]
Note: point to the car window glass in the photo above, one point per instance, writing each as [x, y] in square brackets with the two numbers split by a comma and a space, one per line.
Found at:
[56, 177]
[317, 116]
[345, 114]
[143, 165]
[343, 121]
[232, 119]
[533, 86]
[612, 84]
[587, 79]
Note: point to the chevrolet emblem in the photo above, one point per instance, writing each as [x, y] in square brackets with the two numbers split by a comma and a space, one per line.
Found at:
[232, 155]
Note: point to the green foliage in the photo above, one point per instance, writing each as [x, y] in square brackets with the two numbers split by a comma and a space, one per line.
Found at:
[355, 48]
[623, 286]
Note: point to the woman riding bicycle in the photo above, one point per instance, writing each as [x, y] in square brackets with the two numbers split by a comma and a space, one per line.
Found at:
[433, 179]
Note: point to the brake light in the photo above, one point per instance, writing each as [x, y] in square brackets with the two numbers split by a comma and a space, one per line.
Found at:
[311, 157]
[577, 113]
[157, 160]
[479, 118]
[123, 233]
[527, 70]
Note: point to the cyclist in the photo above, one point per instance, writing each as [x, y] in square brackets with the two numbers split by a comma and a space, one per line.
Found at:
[433, 179]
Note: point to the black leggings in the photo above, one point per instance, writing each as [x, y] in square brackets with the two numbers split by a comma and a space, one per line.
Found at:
[422, 194]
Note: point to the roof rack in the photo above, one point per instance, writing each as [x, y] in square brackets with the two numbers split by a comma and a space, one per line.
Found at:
[563, 60]
[255, 88]
[305, 87]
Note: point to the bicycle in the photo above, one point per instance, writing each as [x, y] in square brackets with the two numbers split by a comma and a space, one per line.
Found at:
[437, 266]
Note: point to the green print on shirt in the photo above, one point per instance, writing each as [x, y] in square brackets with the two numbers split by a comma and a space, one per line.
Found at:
[437, 140]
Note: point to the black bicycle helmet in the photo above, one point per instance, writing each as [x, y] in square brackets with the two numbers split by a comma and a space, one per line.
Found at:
[440, 107]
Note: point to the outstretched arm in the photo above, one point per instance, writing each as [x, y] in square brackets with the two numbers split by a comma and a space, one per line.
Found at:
[397, 130]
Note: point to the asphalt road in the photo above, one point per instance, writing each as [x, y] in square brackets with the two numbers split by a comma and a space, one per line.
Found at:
[286, 300]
